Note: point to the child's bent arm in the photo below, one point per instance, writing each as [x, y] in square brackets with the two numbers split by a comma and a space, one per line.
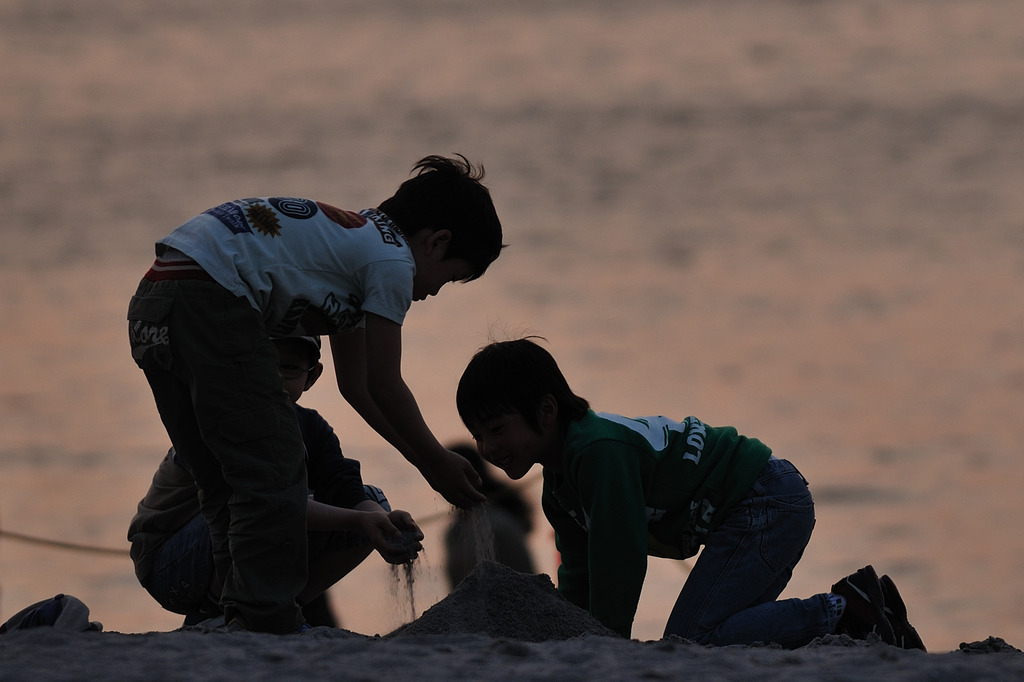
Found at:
[383, 529]
[320, 516]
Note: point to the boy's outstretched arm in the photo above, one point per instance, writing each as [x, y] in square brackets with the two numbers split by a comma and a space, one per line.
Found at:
[368, 364]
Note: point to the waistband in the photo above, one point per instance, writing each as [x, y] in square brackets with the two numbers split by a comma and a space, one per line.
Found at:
[174, 265]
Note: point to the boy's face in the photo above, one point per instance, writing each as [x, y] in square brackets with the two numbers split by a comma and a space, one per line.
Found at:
[433, 270]
[431, 276]
[510, 443]
[297, 369]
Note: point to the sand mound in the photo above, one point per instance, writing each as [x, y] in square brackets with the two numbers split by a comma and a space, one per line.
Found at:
[501, 602]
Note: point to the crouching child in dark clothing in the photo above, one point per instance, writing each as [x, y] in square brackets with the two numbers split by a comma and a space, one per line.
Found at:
[346, 520]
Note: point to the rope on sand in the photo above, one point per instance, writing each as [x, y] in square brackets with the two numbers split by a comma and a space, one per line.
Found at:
[58, 544]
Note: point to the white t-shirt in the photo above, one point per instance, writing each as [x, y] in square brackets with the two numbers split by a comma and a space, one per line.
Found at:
[308, 267]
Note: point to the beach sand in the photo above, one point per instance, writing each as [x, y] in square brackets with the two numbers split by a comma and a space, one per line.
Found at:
[498, 624]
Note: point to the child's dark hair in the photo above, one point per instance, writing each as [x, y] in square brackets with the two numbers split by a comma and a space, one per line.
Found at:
[446, 194]
[511, 377]
[309, 345]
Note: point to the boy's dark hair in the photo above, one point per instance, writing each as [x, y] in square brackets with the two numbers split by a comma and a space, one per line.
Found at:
[446, 194]
[511, 377]
[310, 345]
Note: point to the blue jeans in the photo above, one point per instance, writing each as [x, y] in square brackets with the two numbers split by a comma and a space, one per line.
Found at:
[730, 595]
[183, 571]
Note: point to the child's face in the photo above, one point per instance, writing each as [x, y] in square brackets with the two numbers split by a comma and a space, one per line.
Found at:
[511, 444]
[432, 275]
[297, 370]
[433, 270]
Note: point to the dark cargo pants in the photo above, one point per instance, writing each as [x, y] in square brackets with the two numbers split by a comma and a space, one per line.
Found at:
[213, 371]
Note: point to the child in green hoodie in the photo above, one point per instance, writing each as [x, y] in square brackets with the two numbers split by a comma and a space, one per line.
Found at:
[618, 489]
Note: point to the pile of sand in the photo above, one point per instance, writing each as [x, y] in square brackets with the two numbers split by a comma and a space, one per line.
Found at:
[500, 602]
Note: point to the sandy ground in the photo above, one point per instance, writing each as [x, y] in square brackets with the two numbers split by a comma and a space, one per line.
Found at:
[498, 624]
[324, 654]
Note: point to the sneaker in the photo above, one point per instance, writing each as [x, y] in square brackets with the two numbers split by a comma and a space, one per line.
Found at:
[896, 613]
[199, 616]
[211, 624]
[864, 612]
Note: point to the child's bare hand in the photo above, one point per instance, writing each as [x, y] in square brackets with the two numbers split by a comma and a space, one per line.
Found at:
[394, 535]
[456, 479]
[403, 521]
[383, 534]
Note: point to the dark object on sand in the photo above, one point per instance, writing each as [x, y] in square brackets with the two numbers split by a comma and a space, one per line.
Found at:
[63, 612]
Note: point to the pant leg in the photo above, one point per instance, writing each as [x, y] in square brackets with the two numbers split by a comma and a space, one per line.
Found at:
[729, 596]
[183, 569]
[173, 397]
[213, 372]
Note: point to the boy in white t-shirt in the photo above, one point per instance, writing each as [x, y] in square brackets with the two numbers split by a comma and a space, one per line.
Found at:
[240, 273]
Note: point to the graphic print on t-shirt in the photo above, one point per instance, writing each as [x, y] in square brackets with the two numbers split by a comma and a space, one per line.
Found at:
[347, 219]
[290, 207]
[231, 216]
[244, 215]
[263, 218]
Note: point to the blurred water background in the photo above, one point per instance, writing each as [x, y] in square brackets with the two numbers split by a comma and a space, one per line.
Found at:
[800, 218]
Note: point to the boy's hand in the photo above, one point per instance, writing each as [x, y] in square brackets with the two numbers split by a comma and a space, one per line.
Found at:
[455, 478]
[411, 536]
[394, 535]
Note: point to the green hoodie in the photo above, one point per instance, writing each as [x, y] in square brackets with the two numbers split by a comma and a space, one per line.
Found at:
[630, 488]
